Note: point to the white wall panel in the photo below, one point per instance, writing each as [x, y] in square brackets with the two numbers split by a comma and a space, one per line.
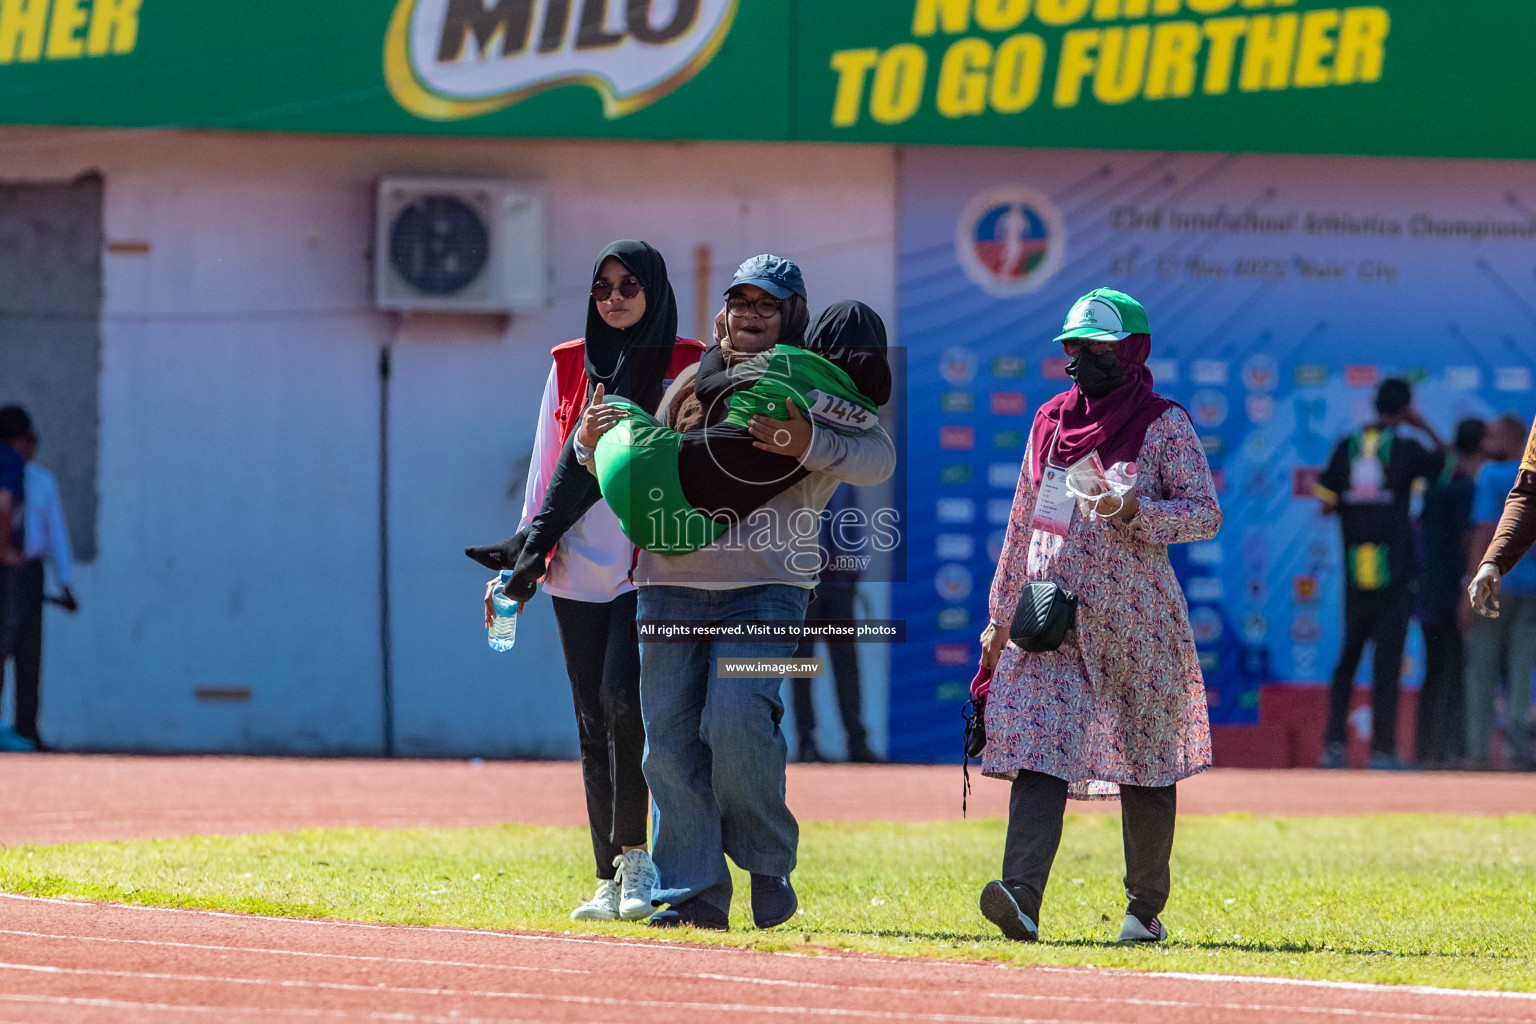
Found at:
[240, 413]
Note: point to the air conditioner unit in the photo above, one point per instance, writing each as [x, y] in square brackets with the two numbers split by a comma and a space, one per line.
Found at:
[461, 245]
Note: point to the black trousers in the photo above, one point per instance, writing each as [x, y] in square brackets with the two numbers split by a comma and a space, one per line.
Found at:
[1035, 810]
[1441, 734]
[1380, 616]
[833, 600]
[603, 661]
[12, 604]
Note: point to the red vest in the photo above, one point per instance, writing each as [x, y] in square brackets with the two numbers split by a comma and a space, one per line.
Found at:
[571, 377]
[571, 389]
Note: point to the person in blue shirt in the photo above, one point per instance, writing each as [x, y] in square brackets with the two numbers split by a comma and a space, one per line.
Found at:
[15, 426]
[832, 600]
[1502, 649]
[1445, 530]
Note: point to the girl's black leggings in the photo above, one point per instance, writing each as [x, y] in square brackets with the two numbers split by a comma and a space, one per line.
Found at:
[603, 661]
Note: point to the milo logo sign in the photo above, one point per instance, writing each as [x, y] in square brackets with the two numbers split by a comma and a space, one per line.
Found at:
[449, 59]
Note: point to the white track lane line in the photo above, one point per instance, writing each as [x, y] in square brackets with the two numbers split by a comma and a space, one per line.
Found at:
[1258, 979]
[664, 944]
[747, 980]
[541, 997]
[292, 952]
[1030, 997]
[287, 1013]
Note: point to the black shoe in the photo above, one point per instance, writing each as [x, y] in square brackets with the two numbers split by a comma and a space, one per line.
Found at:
[810, 754]
[773, 901]
[1001, 907]
[693, 912]
[859, 753]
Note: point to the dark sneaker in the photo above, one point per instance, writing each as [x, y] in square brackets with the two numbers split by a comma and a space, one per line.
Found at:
[773, 901]
[999, 906]
[1136, 930]
[859, 753]
[1333, 756]
[1383, 762]
[692, 912]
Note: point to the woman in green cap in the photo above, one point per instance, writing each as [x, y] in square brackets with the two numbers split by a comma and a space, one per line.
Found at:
[1103, 715]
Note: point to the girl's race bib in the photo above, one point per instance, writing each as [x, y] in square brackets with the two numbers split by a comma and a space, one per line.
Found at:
[840, 414]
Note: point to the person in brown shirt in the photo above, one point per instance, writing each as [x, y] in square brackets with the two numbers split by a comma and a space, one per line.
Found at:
[1511, 539]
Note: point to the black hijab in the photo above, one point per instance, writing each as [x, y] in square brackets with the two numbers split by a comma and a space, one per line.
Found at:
[632, 363]
[851, 336]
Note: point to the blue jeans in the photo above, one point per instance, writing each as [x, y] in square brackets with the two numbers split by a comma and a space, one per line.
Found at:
[714, 753]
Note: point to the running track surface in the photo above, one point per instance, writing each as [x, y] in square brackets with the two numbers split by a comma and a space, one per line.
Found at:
[63, 962]
[70, 962]
[59, 798]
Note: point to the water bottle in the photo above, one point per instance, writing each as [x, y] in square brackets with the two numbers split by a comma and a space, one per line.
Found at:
[503, 630]
[1121, 478]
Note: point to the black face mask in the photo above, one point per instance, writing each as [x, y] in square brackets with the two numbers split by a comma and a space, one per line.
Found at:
[1096, 375]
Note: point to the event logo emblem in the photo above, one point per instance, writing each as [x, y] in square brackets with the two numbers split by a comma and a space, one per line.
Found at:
[953, 582]
[451, 59]
[1261, 372]
[1010, 240]
[1306, 629]
[1205, 623]
[1209, 408]
[958, 365]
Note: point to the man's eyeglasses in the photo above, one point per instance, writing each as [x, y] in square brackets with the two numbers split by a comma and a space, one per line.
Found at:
[765, 307]
[602, 291]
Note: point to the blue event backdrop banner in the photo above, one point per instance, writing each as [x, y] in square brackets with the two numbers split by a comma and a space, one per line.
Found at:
[1280, 291]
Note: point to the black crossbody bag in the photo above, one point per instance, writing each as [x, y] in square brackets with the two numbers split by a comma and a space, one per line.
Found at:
[1045, 612]
[1040, 623]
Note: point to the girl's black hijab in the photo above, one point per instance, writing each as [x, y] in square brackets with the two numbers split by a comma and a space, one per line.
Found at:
[632, 363]
[851, 336]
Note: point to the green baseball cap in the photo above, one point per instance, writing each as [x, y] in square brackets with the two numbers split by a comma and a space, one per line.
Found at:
[1105, 315]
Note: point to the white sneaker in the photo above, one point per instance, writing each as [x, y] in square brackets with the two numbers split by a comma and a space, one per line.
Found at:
[1134, 931]
[603, 906]
[636, 875]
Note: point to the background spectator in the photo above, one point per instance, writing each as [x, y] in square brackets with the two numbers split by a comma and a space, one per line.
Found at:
[14, 425]
[45, 541]
[1368, 482]
[1445, 528]
[833, 599]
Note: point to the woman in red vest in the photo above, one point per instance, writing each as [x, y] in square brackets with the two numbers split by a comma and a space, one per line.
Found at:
[571, 540]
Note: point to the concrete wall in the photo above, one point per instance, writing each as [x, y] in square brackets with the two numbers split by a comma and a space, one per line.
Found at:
[50, 331]
[238, 525]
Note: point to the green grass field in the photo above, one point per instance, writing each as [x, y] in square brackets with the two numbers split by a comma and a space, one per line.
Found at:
[1423, 900]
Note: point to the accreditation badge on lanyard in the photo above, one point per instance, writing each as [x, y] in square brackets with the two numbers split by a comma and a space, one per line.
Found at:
[1054, 505]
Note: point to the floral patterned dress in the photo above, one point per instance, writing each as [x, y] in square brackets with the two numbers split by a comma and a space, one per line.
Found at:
[1122, 700]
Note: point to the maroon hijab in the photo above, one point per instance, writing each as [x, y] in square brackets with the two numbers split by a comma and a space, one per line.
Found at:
[1115, 424]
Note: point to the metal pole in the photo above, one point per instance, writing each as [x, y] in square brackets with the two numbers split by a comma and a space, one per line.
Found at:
[386, 631]
[703, 307]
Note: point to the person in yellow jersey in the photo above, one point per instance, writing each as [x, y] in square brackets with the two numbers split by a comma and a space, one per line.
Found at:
[1368, 482]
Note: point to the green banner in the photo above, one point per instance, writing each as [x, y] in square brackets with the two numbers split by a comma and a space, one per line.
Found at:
[1399, 77]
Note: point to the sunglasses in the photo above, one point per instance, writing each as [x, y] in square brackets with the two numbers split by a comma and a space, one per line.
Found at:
[602, 291]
